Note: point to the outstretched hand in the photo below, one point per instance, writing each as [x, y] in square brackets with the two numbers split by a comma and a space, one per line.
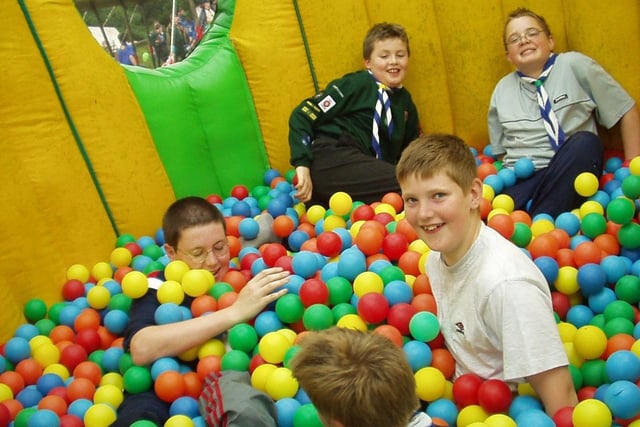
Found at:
[304, 186]
[263, 289]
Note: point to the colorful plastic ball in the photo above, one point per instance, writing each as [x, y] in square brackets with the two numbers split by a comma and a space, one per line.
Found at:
[109, 394]
[524, 168]
[465, 389]
[44, 418]
[307, 416]
[500, 420]
[266, 322]
[472, 414]
[534, 418]
[629, 236]
[313, 291]
[134, 284]
[418, 354]
[317, 317]
[623, 399]
[137, 379]
[286, 409]
[430, 384]
[175, 270]
[35, 309]
[623, 365]
[185, 405]
[352, 262]
[494, 396]
[289, 308]
[424, 326]
[273, 346]
[631, 186]
[591, 413]
[589, 342]
[620, 210]
[397, 291]
[367, 282]
[235, 360]
[304, 264]
[169, 386]
[373, 307]
[340, 290]
[351, 321]
[100, 415]
[197, 282]
[586, 184]
[445, 410]
[340, 203]
[281, 384]
[591, 279]
[17, 349]
[523, 403]
[242, 337]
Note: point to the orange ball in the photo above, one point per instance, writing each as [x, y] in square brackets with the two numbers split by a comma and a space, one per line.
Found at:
[192, 384]
[14, 406]
[232, 224]
[608, 244]
[87, 319]
[375, 225]
[421, 285]
[81, 388]
[521, 216]
[369, 240]
[106, 337]
[376, 257]
[283, 225]
[395, 200]
[485, 208]
[618, 342]
[226, 300]
[13, 380]
[89, 370]
[486, 169]
[562, 237]
[234, 246]
[587, 252]
[544, 245]
[169, 386]
[236, 279]
[405, 228]
[203, 304]
[425, 302]
[308, 228]
[54, 403]
[208, 364]
[121, 272]
[30, 370]
[443, 361]
[62, 333]
[310, 245]
[409, 262]
[391, 332]
[565, 258]
[503, 224]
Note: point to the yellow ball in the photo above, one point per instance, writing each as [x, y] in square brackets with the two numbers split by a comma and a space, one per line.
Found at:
[340, 203]
[635, 348]
[419, 246]
[471, 414]
[281, 383]
[591, 413]
[273, 346]
[355, 228]
[113, 378]
[300, 209]
[175, 270]
[488, 192]
[567, 280]
[590, 206]
[500, 420]
[572, 354]
[213, 347]
[332, 222]
[567, 331]
[46, 354]
[497, 211]
[260, 374]
[590, 342]
[102, 270]
[196, 283]
[179, 421]
[39, 340]
[170, 291]
[59, 369]
[99, 415]
[542, 226]
[78, 272]
[189, 355]
[120, 257]
[503, 201]
[366, 282]
[98, 297]
[634, 166]
[430, 383]
[385, 208]
[525, 389]
[134, 284]
[586, 184]
[315, 213]
[289, 334]
[352, 321]
[6, 392]
[109, 394]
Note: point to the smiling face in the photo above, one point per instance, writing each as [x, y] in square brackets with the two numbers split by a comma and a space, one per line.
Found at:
[389, 61]
[530, 53]
[444, 216]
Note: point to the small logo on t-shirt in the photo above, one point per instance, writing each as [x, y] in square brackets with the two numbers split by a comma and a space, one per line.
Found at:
[460, 327]
[326, 103]
[560, 98]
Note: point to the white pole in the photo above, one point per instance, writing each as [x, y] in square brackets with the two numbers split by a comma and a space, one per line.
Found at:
[172, 55]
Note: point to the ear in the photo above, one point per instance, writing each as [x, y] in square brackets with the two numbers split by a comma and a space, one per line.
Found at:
[171, 252]
[552, 42]
[475, 193]
[367, 63]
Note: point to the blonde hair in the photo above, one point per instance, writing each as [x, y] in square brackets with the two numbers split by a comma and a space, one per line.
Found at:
[519, 13]
[356, 378]
[383, 31]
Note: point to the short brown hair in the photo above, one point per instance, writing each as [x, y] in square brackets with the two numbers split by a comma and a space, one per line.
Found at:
[357, 378]
[383, 31]
[435, 153]
[520, 12]
[186, 213]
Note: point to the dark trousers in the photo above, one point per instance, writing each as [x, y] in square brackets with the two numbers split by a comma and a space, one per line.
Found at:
[340, 165]
[142, 406]
[551, 190]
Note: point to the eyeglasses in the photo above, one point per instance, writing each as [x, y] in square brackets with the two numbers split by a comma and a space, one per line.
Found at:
[530, 34]
[200, 255]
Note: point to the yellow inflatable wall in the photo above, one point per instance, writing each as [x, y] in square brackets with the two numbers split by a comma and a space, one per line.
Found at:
[78, 164]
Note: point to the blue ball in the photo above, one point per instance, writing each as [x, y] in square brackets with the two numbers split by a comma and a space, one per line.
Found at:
[495, 182]
[162, 365]
[508, 176]
[613, 164]
[397, 291]
[17, 349]
[116, 321]
[378, 265]
[345, 235]
[278, 206]
[599, 301]
[418, 354]
[534, 418]
[611, 186]
[305, 264]
[269, 175]
[569, 222]
[614, 267]
[29, 396]
[185, 405]
[44, 418]
[257, 266]
[111, 359]
[267, 321]
[48, 382]
[444, 409]
[167, 313]
[241, 208]
[524, 168]
[576, 240]
[549, 267]
[602, 197]
[139, 262]
[302, 397]
[579, 315]
[79, 407]
[248, 228]
[621, 173]
[623, 365]
[294, 284]
[27, 331]
[523, 403]
[286, 409]
[623, 399]
[328, 271]
[159, 236]
[296, 239]
[486, 150]
[591, 279]
[113, 287]
[351, 263]
[68, 314]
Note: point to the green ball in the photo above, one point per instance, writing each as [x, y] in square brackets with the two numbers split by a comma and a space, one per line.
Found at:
[123, 239]
[242, 337]
[125, 363]
[594, 373]
[391, 226]
[391, 273]
[289, 175]
[593, 224]
[259, 191]
[54, 311]
[153, 251]
[45, 326]
[619, 309]
[631, 186]
[35, 309]
[317, 317]
[424, 326]
[263, 201]
[621, 210]
[342, 309]
[289, 308]
[288, 355]
[220, 288]
[521, 234]
[629, 236]
[598, 320]
[96, 357]
[144, 423]
[340, 290]
[576, 376]
[627, 289]
[617, 326]
[137, 379]
[22, 419]
[152, 267]
[120, 302]
[307, 416]
[235, 360]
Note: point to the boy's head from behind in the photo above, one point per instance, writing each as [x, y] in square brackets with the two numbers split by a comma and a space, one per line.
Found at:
[356, 378]
[383, 31]
[438, 153]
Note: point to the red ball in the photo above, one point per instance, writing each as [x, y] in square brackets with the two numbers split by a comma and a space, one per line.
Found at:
[214, 198]
[5, 415]
[561, 304]
[72, 355]
[562, 417]
[89, 339]
[313, 291]
[30, 370]
[494, 396]
[256, 361]
[247, 260]
[383, 218]
[285, 262]
[239, 192]
[503, 224]
[400, 315]
[272, 252]
[329, 243]
[373, 307]
[394, 245]
[134, 248]
[72, 289]
[465, 389]
[69, 420]
[362, 213]
[587, 392]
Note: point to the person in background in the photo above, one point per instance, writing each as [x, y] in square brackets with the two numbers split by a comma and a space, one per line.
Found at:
[547, 111]
[349, 136]
[127, 53]
[494, 304]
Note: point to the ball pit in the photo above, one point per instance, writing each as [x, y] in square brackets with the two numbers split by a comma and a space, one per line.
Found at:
[354, 265]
